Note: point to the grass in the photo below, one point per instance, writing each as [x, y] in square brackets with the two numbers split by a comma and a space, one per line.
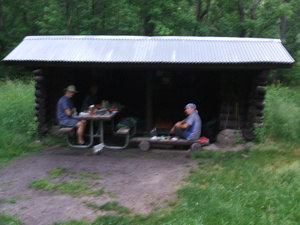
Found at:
[9, 220]
[282, 116]
[229, 189]
[17, 126]
[78, 186]
[109, 206]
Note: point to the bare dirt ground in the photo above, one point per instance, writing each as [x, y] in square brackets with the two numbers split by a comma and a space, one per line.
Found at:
[140, 181]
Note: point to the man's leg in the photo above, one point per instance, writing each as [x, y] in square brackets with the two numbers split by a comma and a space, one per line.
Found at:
[179, 132]
[80, 131]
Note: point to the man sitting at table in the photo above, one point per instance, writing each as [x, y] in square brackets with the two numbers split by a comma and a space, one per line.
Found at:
[190, 127]
[64, 112]
[91, 98]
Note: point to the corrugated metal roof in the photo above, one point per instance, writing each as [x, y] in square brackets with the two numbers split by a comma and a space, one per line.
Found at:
[142, 49]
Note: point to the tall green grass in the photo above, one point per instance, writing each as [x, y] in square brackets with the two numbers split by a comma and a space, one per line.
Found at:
[282, 116]
[17, 126]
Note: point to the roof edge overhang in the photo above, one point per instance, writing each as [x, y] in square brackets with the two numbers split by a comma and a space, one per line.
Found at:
[118, 65]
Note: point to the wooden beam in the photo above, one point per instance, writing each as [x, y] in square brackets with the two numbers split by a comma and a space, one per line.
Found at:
[149, 102]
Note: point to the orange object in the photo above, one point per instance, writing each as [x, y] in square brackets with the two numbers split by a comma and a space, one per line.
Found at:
[92, 110]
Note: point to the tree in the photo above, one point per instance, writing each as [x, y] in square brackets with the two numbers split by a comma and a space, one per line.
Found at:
[233, 18]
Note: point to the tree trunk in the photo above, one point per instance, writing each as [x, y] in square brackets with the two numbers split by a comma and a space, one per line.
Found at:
[149, 27]
[68, 15]
[283, 24]
[253, 15]
[2, 42]
[199, 12]
[1, 13]
[241, 19]
[94, 5]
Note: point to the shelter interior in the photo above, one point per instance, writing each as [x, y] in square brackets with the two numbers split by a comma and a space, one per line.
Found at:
[156, 98]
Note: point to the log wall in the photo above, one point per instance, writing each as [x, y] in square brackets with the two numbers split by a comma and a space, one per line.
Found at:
[49, 87]
[41, 106]
[244, 106]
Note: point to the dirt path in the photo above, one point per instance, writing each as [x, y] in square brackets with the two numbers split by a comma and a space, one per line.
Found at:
[137, 180]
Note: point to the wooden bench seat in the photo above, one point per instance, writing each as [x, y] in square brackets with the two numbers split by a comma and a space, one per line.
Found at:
[145, 143]
[123, 131]
[56, 130]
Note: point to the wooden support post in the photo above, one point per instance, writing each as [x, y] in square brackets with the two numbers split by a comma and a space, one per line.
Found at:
[149, 103]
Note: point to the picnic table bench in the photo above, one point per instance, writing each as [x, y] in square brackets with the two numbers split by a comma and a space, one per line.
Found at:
[144, 143]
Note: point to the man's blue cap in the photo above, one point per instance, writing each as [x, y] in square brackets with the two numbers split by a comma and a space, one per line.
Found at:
[191, 105]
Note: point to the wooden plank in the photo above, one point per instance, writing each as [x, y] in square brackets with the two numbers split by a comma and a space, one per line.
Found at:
[57, 130]
[163, 141]
[123, 131]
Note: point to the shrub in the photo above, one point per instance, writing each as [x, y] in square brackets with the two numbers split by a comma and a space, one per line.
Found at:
[282, 116]
[17, 126]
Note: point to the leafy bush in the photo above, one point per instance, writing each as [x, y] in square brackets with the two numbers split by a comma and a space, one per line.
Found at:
[282, 116]
[17, 126]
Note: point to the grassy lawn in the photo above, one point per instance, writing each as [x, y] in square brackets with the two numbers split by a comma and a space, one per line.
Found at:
[257, 186]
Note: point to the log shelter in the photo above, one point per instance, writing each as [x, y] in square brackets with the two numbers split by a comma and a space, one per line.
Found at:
[155, 77]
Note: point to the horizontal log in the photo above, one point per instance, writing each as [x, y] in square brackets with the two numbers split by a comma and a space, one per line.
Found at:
[260, 105]
[264, 74]
[259, 113]
[39, 79]
[39, 85]
[38, 99]
[231, 116]
[225, 109]
[41, 112]
[247, 134]
[37, 72]
[231, 124]
[43, 119]
[40, 105]
[259, 97]
[259, 119]
[258, 124]
[261, 90]
[261, 83]
[40, 94]
[53, 120]
[42, 128]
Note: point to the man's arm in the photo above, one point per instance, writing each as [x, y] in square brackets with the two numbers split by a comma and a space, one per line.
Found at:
[68, 112]
[182, 124]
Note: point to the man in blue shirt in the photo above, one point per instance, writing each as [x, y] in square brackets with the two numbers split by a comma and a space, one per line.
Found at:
[190, 127]
[64, 112]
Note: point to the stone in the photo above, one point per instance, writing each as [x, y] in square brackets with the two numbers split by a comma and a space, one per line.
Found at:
[229, 137]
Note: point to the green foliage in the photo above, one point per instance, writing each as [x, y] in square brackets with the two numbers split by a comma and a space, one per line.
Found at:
[17, 126]
[281, 120]
[109, 206]
[77, 186]
[6, 219]
[245, 18]
[73, 222]
[56, 172]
